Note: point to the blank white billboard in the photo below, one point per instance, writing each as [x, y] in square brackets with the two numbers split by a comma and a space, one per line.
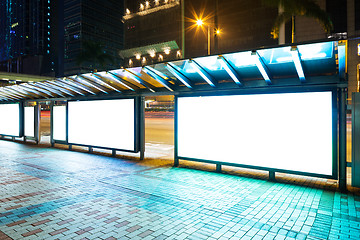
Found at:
[59, 123]
[288, 131]
[102, 123]
[10, 119]
[29, 121]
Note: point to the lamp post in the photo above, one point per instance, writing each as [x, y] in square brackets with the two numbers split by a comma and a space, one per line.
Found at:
[200, 23]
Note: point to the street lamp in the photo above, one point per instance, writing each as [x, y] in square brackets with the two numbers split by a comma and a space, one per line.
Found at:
[200, 23]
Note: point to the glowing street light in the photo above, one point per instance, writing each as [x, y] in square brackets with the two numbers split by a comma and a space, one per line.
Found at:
[200, 23]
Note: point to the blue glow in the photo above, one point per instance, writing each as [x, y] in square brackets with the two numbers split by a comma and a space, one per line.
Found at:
[297, 62]
[151, 73]
[229, 71]
[261, 68]
[316, 51]
[180, 78]
[242, 59]
[211, 63]
[158, 72]
[202, 73]
[359, 49]
[342, 59]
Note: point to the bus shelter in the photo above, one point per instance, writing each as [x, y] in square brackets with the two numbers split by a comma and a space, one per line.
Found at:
[280, 109]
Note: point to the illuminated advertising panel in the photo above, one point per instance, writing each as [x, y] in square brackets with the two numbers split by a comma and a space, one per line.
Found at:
[102, 123]
[10, 119]
[287, 131]
[59, 123]
[29, 118]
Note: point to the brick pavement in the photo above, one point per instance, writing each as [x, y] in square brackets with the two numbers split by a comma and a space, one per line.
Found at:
[48, 193]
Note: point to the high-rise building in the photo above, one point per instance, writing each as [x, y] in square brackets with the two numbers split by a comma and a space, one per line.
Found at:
[25, 37]
[164, 30]
[92, 21]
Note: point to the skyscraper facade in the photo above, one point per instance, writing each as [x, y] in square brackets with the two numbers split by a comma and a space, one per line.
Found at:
[92, 21]
[25, 37]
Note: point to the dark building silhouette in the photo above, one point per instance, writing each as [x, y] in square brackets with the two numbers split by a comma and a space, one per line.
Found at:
[26, 36]
[95, 21]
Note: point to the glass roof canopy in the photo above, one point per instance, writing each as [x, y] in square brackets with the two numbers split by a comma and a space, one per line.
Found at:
[308, 64]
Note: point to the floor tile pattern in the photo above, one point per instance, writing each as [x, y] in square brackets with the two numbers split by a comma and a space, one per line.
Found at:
[49, 193]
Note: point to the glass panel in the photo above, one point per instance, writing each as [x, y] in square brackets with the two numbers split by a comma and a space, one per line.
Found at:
[59, 123]
[29, 118]
[282, 131]
[10, 119]
[102, 123]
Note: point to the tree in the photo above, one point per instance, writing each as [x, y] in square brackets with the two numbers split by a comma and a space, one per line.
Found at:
[292, 8]
[93, 54]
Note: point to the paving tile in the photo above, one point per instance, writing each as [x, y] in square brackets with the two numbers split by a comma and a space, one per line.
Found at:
[107, 198]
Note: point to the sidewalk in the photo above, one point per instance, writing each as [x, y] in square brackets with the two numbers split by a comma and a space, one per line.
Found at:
[49, 193]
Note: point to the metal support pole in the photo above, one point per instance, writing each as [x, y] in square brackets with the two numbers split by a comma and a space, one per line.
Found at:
[218, 168]
[90, 150]
[342, 140]
[142, 128]
[272, 176]
[183, 28]
[52, 141]
[176, 159]
[70, 147]
[209, 36]
[216, 39]
[113, 153]
[37, 123]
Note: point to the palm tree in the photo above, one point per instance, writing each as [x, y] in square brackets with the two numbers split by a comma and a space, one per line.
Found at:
[93, 54]
[292, 8]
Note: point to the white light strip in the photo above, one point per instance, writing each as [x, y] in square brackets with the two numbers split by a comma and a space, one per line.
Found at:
[180, 78]
[229, 71]
[157, 78]
[261, 68]
[299, 69]
[201, 73]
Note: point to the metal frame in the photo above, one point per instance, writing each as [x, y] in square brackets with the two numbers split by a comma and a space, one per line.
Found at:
[52, 140]
[355, 138]
[138, 127]
[36, 137]
[271, 171]
[21, 121]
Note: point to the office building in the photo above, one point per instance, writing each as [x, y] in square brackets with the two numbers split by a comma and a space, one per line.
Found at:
[26, 36]
[92, 21]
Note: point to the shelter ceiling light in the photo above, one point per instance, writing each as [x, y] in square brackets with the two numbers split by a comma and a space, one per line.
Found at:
[138, 56]
[230, 70]
[142, 7]
[128, 11]
[261, 66]
[296, 58]
[167, 51]
[152, 53]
